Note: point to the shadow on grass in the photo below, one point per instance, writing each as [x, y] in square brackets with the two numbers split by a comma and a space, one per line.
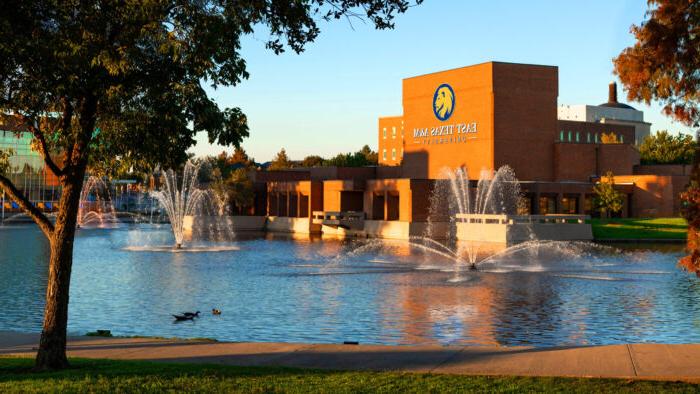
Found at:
[131, 376]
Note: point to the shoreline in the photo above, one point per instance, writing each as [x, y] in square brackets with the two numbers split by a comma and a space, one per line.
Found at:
[627, 361]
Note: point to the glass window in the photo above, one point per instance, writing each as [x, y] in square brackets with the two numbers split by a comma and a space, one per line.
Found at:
[561, 135]
[622, 139]
[384, 154]
[569, 205]
[384, 133]
[393, 132]
[393, 154]
[547, 205]
[569, 136]
[578, 139]
[588, 137]
[596, 138]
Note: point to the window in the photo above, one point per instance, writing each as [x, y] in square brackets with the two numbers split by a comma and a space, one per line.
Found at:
[569, 136]
[561, 135]
[578, 137]
[393, 154]
[393, 132]
[622, 139]
[588, 137]
[596, 138]
[547, 205]
[384, 133]
[384, 154]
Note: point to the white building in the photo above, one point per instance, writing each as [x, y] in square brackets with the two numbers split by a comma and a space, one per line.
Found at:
[612, 112]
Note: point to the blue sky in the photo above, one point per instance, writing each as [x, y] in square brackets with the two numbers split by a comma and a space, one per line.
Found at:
[327, 99]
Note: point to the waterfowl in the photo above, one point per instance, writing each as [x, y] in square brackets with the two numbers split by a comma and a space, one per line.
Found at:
[191, 315]
[182, 317]
[215, 311]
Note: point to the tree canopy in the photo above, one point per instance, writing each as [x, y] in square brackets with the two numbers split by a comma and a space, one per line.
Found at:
[280, 162]
[664, 148]
[121, 85]
[364, 157]
[663, 63]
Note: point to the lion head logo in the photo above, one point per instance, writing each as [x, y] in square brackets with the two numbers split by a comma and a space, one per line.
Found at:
[444, 102]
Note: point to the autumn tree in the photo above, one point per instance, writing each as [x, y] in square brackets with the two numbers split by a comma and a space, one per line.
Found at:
[110, 82]
[609, 138]
[280, 162]
[663, 65]
[607, 199]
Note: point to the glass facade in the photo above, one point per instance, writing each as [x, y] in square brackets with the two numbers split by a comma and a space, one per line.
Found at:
[28, 172]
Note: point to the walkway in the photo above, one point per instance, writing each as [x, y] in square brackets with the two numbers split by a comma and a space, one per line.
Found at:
[640, 361]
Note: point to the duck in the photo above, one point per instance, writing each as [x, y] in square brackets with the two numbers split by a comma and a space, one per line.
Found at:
[191, 315]
[182, 317]
[215, 311]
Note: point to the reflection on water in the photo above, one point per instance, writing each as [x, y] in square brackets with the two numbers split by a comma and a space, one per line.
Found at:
[308, 290]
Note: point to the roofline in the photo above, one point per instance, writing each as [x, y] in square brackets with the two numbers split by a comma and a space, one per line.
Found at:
[480, 64]
[390, 116]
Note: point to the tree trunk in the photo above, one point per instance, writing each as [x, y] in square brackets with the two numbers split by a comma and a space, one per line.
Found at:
[52, 347]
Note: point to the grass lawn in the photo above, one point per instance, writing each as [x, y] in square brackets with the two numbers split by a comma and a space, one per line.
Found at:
[138, 376]
[661, 228]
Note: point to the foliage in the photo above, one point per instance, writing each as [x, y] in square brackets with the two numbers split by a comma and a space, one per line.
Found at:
[371, 156]
[664, 148]
[634, 228]
[663, 62]
[609, 138]
[141, 376]
[227, 164]
[312, 161]
[690, 209]
[607, 199]
[120, 85]
[363, 157]
[240, 191]
[280, 162]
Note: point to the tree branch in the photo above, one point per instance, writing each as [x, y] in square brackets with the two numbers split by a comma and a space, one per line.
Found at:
[43, 146]
[44, 223]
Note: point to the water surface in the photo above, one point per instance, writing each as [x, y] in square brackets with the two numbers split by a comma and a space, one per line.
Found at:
[382, 292]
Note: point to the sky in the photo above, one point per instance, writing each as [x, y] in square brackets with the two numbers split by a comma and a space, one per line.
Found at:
[327, 99]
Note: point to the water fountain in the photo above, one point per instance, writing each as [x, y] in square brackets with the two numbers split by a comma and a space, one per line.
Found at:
[194, 213]
[455, 198]
[96, 207]
[183, 201]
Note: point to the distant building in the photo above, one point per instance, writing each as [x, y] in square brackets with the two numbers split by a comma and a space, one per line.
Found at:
[27, 169]
[610, 113]
[480, 117]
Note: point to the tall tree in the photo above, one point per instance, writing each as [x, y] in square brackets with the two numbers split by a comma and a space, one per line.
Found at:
[371, 156]
[663, 63]
[281, 161]
[107, 80]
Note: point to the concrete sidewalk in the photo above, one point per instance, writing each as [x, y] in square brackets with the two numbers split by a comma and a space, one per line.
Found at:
[639, 361]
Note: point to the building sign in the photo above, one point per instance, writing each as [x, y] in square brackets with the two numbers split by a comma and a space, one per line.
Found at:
[443, 107]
